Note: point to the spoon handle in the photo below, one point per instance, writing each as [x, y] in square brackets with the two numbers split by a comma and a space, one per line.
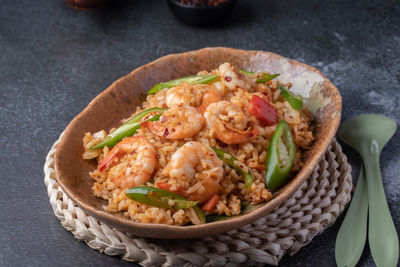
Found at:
[352, 234]
[382, 235]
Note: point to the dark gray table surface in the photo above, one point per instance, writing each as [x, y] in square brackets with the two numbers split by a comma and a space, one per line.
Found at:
[54, 60]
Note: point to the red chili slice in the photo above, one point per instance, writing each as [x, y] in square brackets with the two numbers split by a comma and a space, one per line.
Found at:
[262, 110]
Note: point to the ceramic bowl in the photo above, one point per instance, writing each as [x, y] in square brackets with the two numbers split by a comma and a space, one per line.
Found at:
[120, 99]
[201, 15]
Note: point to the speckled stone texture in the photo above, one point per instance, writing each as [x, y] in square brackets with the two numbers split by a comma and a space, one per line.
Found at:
[54, 60]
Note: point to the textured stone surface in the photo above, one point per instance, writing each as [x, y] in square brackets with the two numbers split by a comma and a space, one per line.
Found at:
[54, 60]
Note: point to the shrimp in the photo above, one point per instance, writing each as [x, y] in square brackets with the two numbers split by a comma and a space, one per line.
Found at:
[195, 172]
[177, 122]
[231, 78]
[130, 174]
[200, 96]
[220, 88]
[183, 94]
[228, 122]
[208, 98]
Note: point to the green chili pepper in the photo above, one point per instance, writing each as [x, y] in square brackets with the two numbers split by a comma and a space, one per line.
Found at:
[246, 72]
[295, 101]
[280, 157]
[163, 199]
[198, 79]
[264, 77]
[154, 196]
[199, 214]
[144, 113]
[129, 128]
[233, 162]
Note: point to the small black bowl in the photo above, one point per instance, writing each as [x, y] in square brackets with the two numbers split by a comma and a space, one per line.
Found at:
[201, 15]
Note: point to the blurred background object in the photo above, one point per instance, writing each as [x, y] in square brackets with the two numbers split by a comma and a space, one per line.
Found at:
[87, 4]
[201, 12]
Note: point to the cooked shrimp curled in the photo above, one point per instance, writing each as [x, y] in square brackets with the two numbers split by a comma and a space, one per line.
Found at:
[130, 173]
[178, 122]
[195, 172]
[228, 123]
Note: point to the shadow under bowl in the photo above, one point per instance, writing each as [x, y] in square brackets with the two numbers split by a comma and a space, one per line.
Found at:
[122, 97]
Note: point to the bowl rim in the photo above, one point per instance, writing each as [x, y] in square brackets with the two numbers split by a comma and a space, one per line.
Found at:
[194, 7]
[192, 231]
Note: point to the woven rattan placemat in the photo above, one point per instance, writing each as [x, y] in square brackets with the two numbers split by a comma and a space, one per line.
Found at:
[313, 208]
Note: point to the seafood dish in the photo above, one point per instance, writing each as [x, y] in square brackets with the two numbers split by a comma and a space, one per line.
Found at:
[201, 148]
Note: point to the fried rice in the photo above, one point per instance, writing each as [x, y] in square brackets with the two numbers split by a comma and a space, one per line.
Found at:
[237, 90]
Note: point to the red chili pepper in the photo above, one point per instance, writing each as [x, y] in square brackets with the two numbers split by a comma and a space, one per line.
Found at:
[211, 203]
[262, 110]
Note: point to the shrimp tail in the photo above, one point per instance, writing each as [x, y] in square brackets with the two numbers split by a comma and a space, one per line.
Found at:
[249, 135]
[106, 161]
[253, 133]
[155, 128]
[115, 151]
[231, 138]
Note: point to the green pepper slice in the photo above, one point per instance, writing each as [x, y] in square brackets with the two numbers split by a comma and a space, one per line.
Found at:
[197, 79]
[129, 128]
[264, 77]
[163, 199]
[246, 72]
[233, 162]
[199, 214]
[154, 196]
[295, 101]
[280, 157]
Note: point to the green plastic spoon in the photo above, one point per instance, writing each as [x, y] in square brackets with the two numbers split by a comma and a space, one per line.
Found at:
[368, 134]
[352, 234]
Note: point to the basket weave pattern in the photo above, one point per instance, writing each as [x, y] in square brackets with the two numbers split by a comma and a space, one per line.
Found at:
[313, 208]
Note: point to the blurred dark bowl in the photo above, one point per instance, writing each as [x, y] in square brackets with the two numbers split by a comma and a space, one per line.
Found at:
[87, 4]
[201, 15]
